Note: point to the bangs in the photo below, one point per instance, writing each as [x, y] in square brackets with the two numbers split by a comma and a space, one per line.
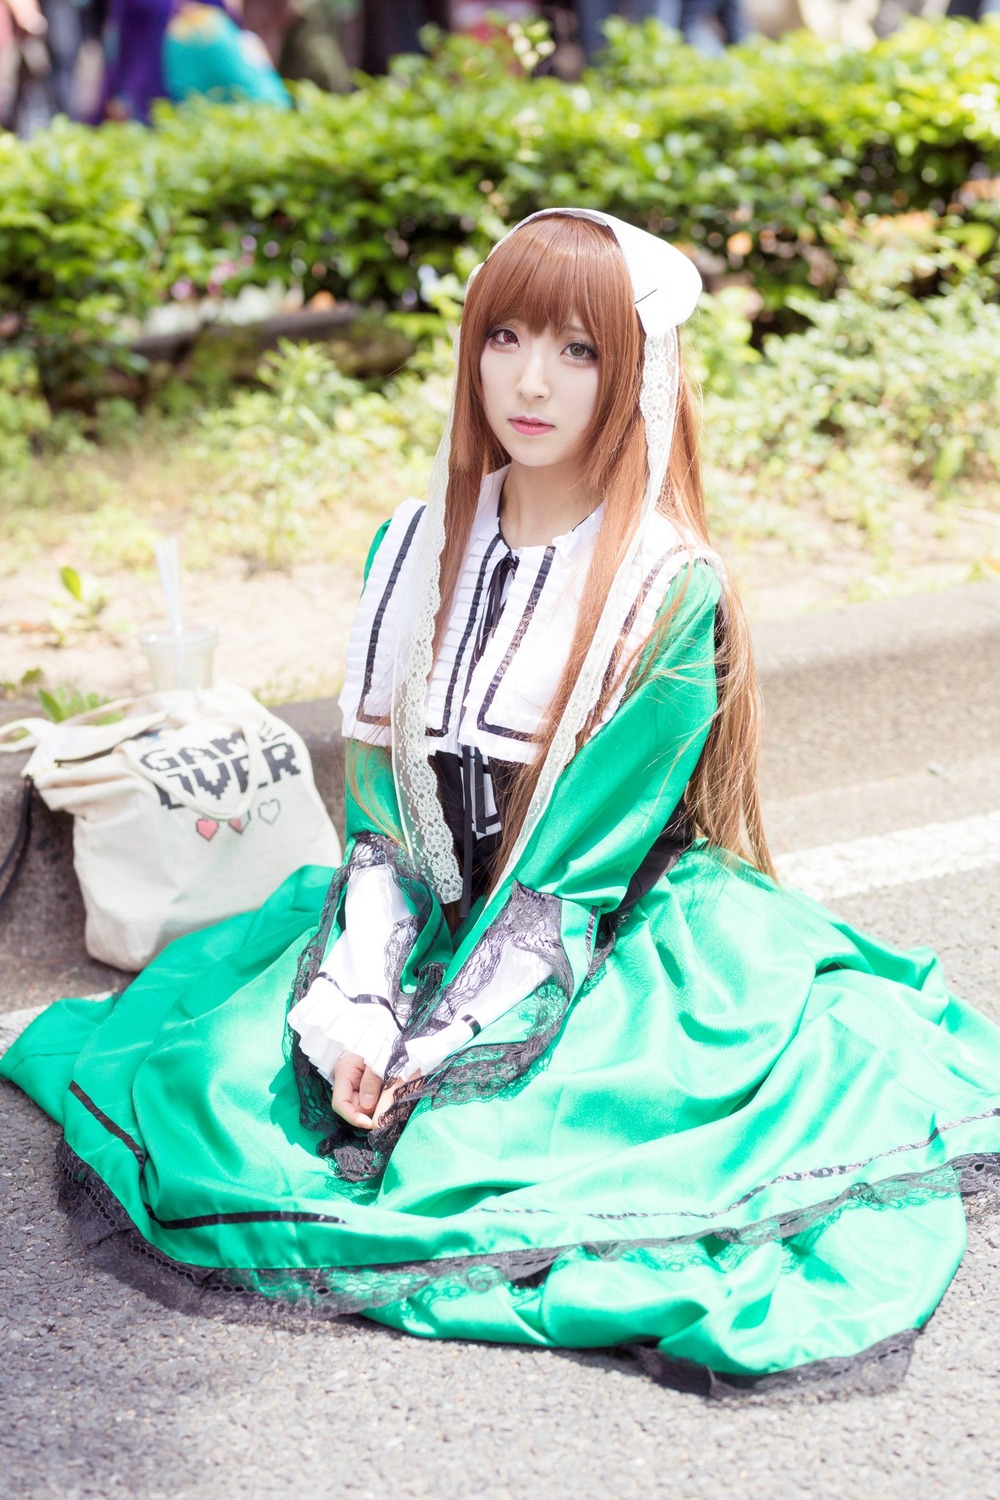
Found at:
[549, 272]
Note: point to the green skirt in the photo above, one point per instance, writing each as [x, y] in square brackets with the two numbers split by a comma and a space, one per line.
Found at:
[743, 1152]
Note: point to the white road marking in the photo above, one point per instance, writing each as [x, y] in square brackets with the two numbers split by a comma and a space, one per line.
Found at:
[888, 859]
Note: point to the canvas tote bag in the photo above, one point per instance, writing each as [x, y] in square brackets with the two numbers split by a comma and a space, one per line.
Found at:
[192, 808]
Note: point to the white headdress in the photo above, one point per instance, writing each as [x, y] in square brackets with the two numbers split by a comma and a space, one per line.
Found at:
[666, 287]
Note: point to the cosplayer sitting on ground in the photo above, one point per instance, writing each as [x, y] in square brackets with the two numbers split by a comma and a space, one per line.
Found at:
[553, 1058]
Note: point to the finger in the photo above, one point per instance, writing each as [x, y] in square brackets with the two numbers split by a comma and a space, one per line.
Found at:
[344, 1105]
[369, 1090]
[349, 1111]
[386, 1100]
[347, 1071]
[347, 1074]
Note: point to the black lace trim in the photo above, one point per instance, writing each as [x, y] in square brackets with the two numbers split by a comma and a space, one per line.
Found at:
[979, 1173]
[293, 1293]
[530, 921]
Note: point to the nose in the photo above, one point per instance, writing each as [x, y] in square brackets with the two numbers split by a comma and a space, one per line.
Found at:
[532, 383]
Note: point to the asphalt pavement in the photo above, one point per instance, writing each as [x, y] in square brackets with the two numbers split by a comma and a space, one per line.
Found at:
[106, 1393]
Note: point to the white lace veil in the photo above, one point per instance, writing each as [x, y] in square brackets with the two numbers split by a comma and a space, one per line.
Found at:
[666, 287]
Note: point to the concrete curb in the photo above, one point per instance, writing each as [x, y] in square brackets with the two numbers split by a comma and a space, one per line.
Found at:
[852, 695]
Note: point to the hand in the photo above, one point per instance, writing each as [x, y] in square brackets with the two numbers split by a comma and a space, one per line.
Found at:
[357, 1091]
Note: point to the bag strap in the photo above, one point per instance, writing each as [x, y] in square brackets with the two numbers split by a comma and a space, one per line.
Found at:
[132, 752]
[20, 734]
[15, 856]
[26, 734]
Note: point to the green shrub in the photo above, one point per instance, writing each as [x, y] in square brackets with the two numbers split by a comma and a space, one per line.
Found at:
[867, 403]
[757, 159]
[24, 415]
[27, 423]
[311, 446]
[864, 400]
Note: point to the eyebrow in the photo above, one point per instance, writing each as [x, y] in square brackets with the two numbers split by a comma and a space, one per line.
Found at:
[575, 328]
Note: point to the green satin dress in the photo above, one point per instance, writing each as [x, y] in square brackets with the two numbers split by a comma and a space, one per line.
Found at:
[728, 1132]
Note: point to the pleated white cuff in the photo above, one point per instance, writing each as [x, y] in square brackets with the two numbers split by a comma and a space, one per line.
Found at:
[330, 1024]
[515, 976]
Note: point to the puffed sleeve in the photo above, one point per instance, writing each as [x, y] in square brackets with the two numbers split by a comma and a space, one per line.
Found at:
[355, 1003]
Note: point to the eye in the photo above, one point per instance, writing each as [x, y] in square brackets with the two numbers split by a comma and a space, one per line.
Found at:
[584, 353]
[502, 338]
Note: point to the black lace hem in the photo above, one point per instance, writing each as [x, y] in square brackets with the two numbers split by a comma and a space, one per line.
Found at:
[880, 1367]
[293, 1295]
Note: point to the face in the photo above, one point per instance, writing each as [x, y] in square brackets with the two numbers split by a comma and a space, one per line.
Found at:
[540, 391]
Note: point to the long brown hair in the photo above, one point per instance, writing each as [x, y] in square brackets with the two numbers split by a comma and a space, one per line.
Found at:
[552, 270]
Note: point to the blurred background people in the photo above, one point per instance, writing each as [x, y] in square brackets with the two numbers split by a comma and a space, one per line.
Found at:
[40, 44]
[480, 17]
[24, 63]
[974, 10]
[206, 51]
[63, 39]
[173, 49]
[302, 38]
[712, 25]
[709, 25]
[393, 26]
[111, 59]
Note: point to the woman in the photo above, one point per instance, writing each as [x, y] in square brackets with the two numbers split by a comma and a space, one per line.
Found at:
[564, 1064]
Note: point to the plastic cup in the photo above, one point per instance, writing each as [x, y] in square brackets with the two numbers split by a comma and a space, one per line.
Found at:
[186, 660]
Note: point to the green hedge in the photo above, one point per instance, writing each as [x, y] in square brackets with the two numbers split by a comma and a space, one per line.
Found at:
[758, 158]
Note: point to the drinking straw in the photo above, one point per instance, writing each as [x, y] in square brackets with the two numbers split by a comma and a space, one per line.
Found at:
[168, 561]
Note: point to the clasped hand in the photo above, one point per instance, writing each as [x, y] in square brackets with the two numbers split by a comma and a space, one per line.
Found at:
[359, 1095]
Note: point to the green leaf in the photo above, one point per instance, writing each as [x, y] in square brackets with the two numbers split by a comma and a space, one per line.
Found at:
[72, 583]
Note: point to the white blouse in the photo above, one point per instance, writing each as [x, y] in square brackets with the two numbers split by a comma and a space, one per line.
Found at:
[487, 697]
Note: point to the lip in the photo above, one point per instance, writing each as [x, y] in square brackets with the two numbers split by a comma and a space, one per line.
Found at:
[530, 426]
